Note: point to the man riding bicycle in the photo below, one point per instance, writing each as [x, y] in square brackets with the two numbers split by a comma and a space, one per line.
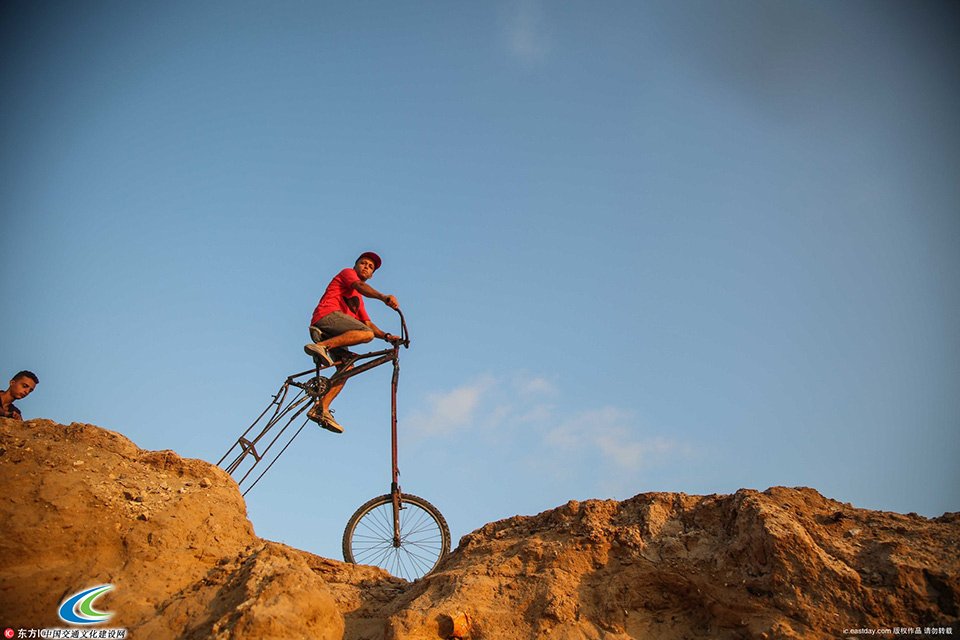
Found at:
[341, 318]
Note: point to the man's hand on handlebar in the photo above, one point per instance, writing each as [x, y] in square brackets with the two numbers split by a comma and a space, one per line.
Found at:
[392, 339]
[391, 301]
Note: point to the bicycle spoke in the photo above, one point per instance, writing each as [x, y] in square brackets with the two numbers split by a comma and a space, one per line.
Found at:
[379, 525]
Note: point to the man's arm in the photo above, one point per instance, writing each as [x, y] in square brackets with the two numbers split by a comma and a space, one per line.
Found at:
[10, 411]
[368, 291]
[383, 335]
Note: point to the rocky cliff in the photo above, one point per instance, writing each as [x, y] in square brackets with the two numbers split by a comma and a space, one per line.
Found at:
[81, 505]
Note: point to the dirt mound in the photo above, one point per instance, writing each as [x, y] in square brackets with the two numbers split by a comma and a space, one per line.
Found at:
[84, 506]
[785, 563]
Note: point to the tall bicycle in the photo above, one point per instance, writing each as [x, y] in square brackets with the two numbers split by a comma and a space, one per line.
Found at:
[399, 532]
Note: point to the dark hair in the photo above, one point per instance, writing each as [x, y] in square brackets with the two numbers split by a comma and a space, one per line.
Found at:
[27, 374]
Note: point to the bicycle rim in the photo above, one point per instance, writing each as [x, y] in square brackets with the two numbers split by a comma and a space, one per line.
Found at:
[424, 537]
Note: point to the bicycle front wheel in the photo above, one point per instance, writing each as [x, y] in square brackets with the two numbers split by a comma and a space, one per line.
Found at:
[424, 536]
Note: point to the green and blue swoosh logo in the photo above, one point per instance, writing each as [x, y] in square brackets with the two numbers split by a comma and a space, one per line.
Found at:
[78, 608]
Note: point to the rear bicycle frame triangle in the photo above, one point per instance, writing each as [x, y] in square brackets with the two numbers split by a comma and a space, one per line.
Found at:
[286, 410]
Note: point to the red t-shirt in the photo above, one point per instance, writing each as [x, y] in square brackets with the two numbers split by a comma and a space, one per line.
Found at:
[341, 296]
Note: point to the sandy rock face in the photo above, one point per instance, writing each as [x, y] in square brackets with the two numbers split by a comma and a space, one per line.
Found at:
[785, 563]
[83, 506]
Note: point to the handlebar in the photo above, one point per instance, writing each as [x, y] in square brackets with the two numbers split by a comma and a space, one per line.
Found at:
[404, 334]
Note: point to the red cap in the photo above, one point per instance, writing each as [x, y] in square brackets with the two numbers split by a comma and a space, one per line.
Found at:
[374, 257]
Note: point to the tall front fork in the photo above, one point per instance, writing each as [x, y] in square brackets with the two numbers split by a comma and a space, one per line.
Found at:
[395, 483]
[395, 494]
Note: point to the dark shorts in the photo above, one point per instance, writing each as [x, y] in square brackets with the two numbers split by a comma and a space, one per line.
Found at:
[333, 324]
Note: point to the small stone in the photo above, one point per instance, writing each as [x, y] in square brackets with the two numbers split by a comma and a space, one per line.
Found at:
[455, 626]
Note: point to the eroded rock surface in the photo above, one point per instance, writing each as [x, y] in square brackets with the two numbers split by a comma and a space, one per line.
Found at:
[81, 504]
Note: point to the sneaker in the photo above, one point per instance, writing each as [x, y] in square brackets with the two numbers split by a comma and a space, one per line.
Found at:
[324, 418]
[319, 353]
[329, 423]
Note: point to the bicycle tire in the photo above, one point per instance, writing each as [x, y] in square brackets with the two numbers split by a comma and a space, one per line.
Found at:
[425, 536]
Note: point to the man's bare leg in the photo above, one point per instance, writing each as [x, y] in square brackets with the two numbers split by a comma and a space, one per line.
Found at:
[348, 339]
[332, 393]
[321, 410]
[321, 350]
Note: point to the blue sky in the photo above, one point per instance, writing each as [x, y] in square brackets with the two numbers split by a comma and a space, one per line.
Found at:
[660, 246]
